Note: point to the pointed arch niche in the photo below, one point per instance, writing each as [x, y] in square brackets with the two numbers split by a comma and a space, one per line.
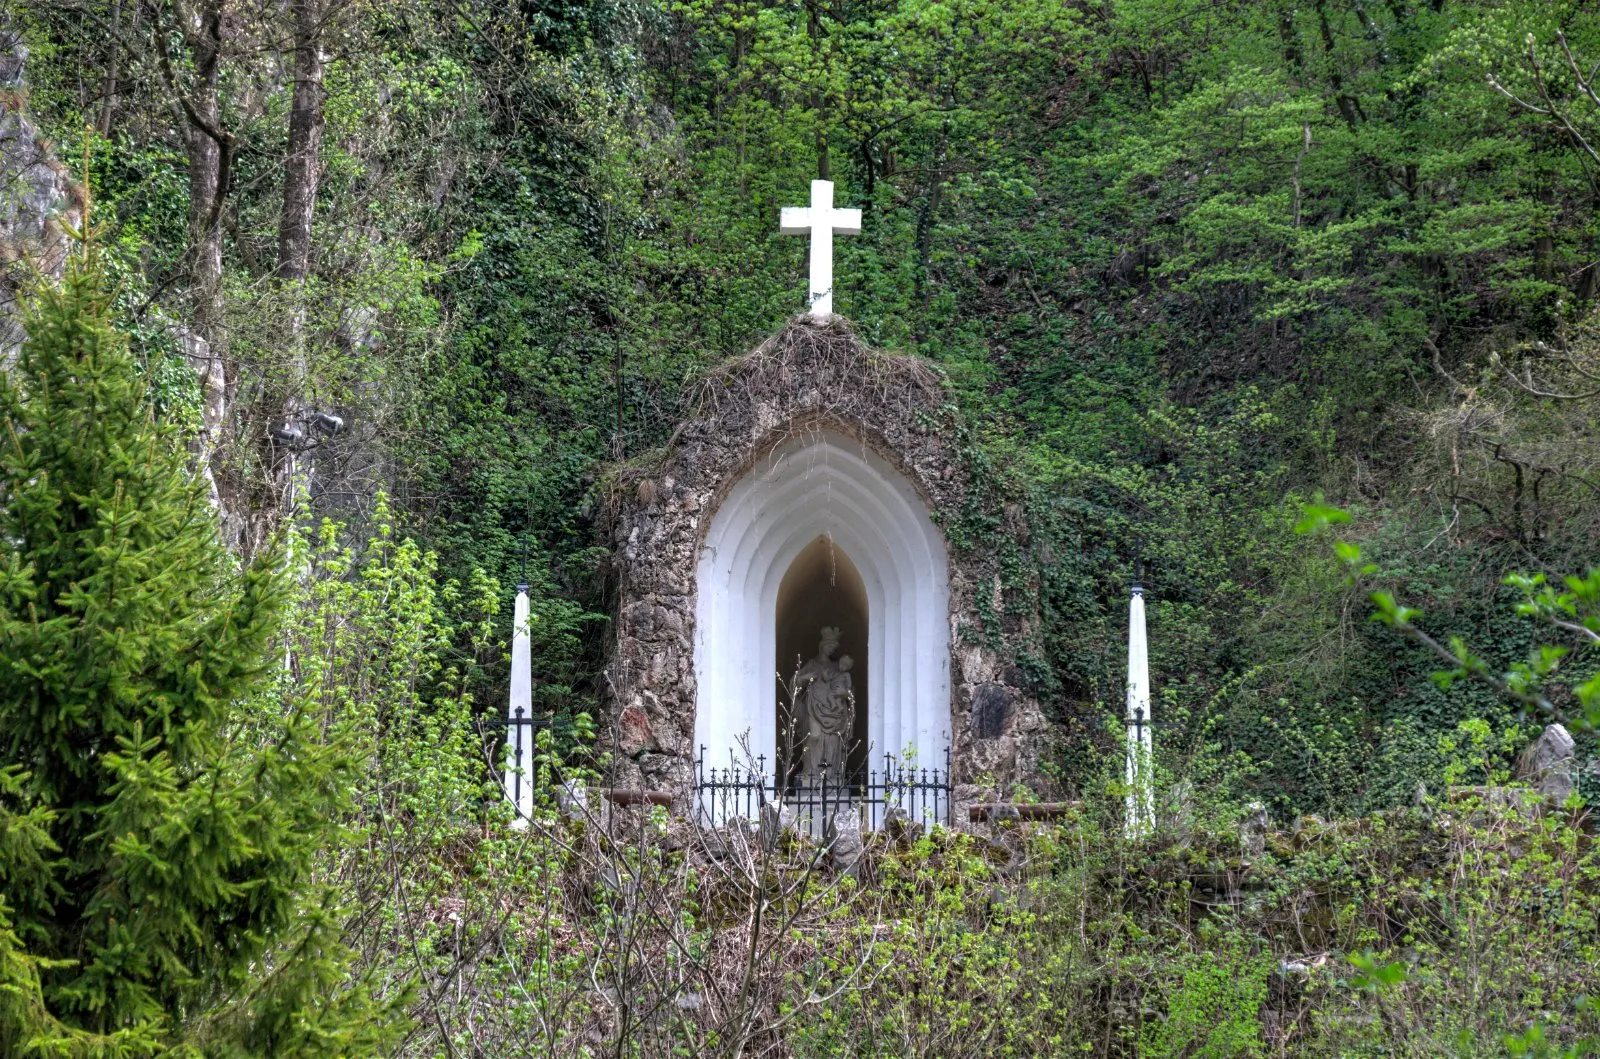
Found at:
[819, 493]
[822, 587]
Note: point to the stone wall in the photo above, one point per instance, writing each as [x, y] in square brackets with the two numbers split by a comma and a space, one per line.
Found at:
[807, 377]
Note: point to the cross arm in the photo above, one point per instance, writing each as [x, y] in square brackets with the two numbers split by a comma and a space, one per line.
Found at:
[795, 220]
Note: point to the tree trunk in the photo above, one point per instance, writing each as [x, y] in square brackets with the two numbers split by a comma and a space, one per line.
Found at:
[209, 161]
[1348, 107]
[108, 90]
[302, 167]
[926, 219]
[210, 149]
[1293, 57]
[301, 170]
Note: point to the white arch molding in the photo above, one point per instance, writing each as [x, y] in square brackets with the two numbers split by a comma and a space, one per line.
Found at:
[823, 483]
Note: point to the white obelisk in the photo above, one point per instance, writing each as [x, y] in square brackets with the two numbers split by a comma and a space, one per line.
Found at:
[822, 222]
[1141, 744]
[519, 715]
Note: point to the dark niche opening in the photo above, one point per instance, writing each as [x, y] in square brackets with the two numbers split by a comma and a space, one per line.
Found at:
[821, 587]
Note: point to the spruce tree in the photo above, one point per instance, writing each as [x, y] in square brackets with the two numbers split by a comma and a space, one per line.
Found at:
[160, 826]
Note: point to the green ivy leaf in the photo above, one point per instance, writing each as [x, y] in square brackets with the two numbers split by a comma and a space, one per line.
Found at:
[1315, 518]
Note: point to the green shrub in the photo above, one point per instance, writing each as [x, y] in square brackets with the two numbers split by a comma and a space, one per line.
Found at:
[157, 854]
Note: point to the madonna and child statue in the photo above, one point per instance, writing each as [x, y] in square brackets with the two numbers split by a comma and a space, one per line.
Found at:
[825, 706]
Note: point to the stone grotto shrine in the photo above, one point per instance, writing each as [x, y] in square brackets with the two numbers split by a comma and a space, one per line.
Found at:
[789, 606]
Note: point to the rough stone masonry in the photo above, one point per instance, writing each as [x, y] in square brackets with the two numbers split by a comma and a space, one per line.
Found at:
[810, 376]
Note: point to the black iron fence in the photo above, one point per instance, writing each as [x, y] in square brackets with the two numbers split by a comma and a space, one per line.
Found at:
[741, 791]
[521, 735]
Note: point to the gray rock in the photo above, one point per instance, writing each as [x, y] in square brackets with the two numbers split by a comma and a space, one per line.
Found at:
[39, 200]
[13, 58]
[358, 331]
[899, 827]
[776, 818]
[634, 734]
[734, 839]
[991, 710]
[1549, 764]
[1253, 830]
[573, 799]
[845, 838]
[326, 423]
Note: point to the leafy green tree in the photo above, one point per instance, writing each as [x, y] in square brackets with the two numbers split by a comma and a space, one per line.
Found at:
[158, 837]
[1557, 682]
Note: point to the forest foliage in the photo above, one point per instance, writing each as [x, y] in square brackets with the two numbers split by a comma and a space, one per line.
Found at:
[1185, 268]
[1188, 270]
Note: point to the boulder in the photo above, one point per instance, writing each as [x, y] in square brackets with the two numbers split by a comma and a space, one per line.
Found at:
[776, 818]
[572, 797]
[845, 838]
[1549, 764]
[1253, 830]
[899, 827]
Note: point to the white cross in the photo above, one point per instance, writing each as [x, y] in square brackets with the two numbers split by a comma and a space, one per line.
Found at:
[821, 221]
